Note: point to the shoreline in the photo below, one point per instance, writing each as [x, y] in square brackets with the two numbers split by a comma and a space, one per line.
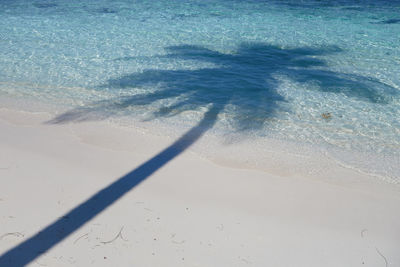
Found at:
[267, 153]
[190, 212]
[270, 155]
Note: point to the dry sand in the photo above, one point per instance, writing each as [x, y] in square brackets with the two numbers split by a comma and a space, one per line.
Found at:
[189, 212]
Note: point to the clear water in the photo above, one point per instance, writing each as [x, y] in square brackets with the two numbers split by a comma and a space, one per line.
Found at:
[324, 73]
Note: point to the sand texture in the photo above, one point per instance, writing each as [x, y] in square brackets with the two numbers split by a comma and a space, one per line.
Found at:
[93, 194]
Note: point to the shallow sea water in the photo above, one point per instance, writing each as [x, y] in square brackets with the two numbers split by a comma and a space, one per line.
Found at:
[320, 73]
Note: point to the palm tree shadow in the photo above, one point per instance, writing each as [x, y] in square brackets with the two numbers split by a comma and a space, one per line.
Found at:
[243, 81]
[57, 231]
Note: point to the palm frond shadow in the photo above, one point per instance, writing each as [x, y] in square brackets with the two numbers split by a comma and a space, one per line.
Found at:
[244, 80]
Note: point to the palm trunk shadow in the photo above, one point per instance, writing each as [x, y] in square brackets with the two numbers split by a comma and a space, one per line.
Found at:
[54, 233]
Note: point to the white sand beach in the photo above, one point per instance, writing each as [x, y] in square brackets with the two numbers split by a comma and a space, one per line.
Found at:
[187, 211]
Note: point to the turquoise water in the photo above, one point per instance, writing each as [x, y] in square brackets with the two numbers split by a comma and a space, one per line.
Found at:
[324, 73]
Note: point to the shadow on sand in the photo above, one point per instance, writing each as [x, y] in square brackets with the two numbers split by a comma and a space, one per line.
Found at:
[45, 239]
[244, 80]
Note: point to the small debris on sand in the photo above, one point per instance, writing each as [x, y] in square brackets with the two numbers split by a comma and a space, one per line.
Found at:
[82, 236]
[116, 237]
[16, 234]
[384, 258]
[363, 232]
[327, 116]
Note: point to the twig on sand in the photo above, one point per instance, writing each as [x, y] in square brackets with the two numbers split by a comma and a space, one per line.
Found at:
[386, 263]
[76, 240]
[17, 234]
[115, 238]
